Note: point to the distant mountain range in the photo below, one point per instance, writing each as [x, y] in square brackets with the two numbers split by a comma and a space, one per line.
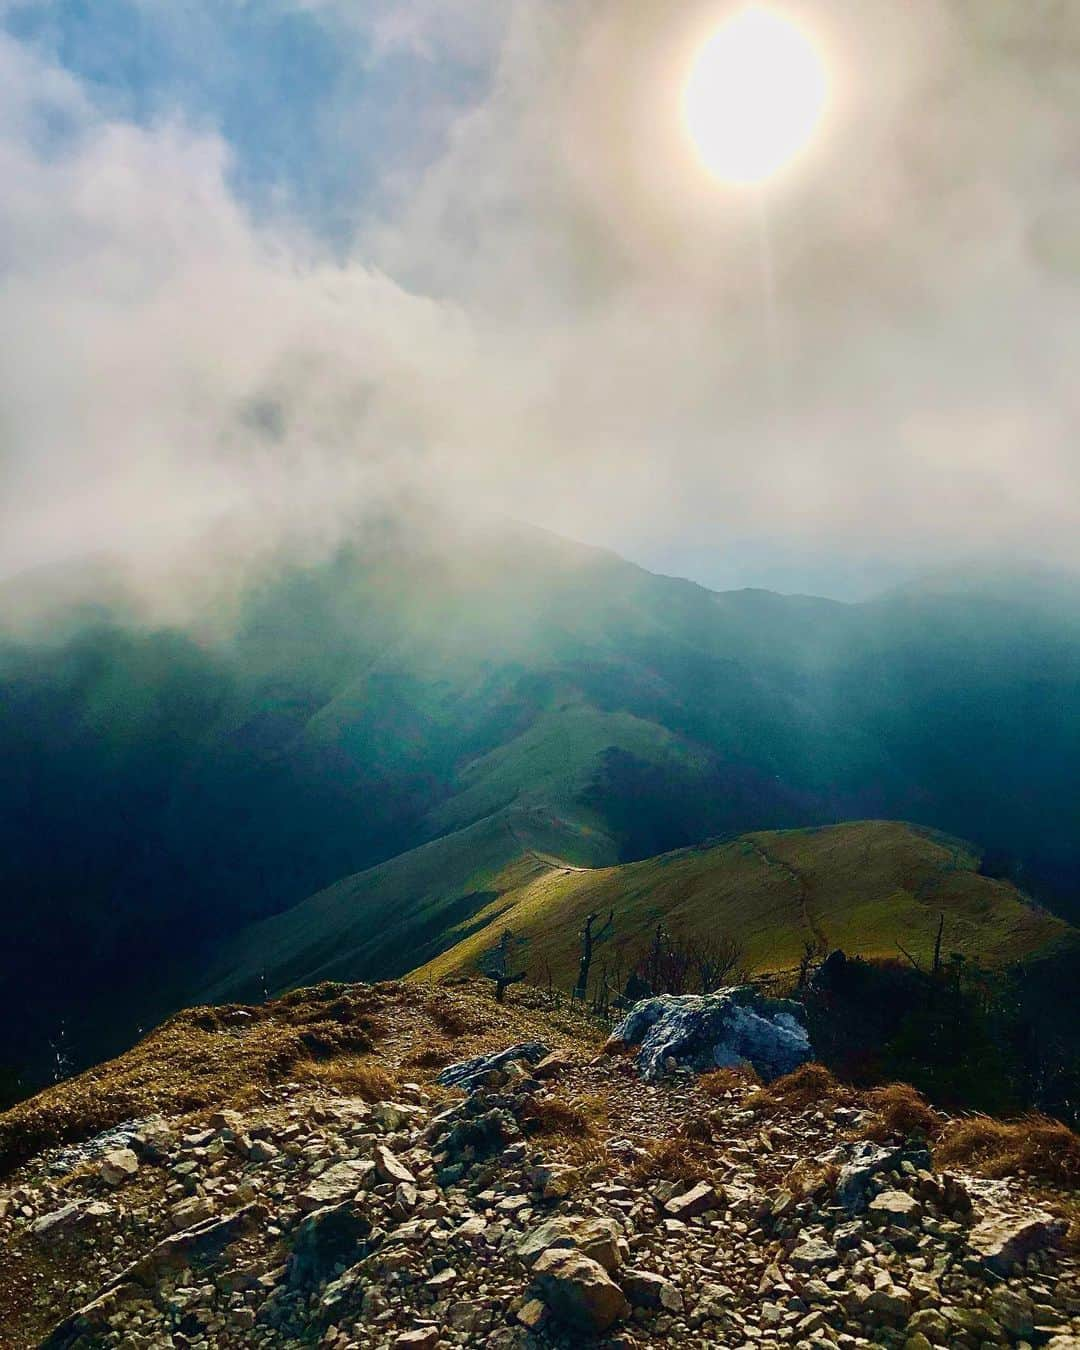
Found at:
[524, 701]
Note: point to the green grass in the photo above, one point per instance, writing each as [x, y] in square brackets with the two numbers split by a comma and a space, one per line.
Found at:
[869, 887]
[383, 921]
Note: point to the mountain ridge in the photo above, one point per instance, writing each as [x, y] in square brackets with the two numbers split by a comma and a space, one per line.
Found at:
[419, 681]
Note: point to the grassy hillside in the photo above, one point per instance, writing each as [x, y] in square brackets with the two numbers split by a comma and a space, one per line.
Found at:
[384, 921]
[868, 887]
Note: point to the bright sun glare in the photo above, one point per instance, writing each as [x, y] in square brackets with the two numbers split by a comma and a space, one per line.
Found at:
[755, 95]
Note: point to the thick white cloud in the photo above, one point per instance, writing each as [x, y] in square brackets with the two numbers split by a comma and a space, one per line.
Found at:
[168, 364]
[567, 320]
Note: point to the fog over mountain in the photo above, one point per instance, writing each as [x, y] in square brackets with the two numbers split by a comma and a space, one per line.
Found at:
[501, 690]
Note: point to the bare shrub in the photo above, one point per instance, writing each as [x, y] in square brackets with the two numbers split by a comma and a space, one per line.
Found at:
[676, 964]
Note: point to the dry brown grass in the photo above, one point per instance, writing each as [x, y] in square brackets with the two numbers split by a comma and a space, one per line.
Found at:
[902, 1111]
[199, 1058]
[431, 1057]
[552, 1115]
[809, 1085]
[719, 1082]
[698, 1128]
[449, 1018]
[351, 1077]
[1035, 1147]
[678, 1159]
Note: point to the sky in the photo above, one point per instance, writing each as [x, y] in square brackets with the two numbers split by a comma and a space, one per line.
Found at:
[275, 262]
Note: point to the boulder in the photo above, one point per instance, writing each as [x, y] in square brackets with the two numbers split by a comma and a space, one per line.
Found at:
[187, 1213]
[579, 1291]
[423, 1338]
[714, 1302]
[554, 1181]
[646, 1290]
[532, 1314]
[337, 1183]
[1014, 1311]
[153, 1140]
[467, 1134]
[732, 1026]
[63, 1220]
[327, 1238]
[389, 1167]
[475, 1073]
[1001, 1241]
[394, 1115]
[931, 1324]
[974, 1323]
[813, 1254]
[867, 1161]
[554, 1065]
[118, 1166]
[895, 1207]
[597, 1238]
[697, 1200]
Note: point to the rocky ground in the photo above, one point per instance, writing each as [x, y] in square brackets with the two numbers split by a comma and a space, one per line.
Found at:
[550, 1197]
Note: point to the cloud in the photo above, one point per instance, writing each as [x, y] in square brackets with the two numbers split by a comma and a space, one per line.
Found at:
[563, 318]
[169, 364]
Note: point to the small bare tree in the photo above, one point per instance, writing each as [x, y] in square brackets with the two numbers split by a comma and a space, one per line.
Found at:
[502, 963]
[813, 953]
[937, 945]
[715, 961]
[590, 937]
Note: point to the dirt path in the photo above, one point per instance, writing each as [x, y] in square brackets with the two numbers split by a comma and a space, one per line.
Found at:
[813, 929]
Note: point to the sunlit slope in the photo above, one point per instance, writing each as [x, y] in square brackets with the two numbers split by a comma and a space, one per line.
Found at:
[383, 921]
[868, 887]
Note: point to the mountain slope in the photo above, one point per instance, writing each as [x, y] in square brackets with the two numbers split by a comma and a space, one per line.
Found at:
[388, 919]
[293, 1173]
[166, 788]
[869, 887]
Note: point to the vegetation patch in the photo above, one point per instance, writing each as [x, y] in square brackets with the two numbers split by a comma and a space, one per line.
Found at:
[447, 1016]
[351, 1076]
[555, 1116]
[903, 1113]
[431, 1057]
[677, 1159]
[719, 1082]
[809, 1085]
[1034, 1147]
[200, 1058]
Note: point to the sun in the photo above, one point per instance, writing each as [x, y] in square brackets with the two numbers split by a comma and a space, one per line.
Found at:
[755, 95]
